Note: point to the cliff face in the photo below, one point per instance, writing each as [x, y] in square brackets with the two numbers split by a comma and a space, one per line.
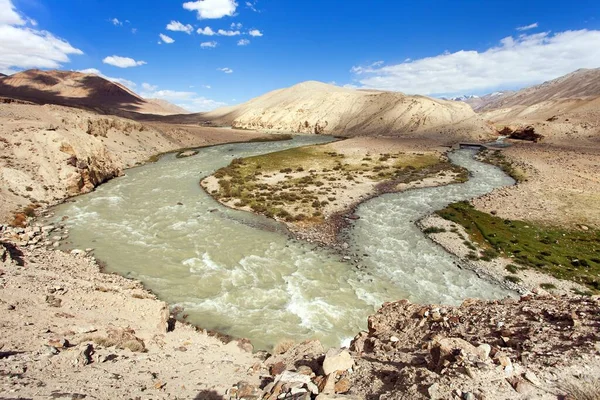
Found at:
[49, 152]
[318, 108]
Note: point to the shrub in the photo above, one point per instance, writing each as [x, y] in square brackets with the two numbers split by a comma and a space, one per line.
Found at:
[512, 278]
[512, 268]
[433, 229]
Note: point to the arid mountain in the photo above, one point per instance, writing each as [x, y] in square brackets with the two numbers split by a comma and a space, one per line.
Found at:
[76, 89]
[169, 107]
[564, 110]
[582, 84]
[315, 107]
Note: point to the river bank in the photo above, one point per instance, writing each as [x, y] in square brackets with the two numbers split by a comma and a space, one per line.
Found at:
[38, 363]
[52, 152]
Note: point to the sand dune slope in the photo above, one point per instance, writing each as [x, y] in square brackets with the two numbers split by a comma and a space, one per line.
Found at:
[314, 107]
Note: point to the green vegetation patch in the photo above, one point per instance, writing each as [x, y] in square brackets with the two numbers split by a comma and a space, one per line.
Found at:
[565, 254]
[297, 184]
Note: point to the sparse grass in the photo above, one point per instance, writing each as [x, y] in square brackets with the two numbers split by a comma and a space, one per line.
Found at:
[562, 253]
[547, 286]
[581, 389]
[119, 338]
[512, 278]
[512, 268]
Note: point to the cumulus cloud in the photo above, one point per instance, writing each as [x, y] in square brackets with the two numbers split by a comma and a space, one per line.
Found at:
[243, 42]
[166, 39]
[212, 9]
[236, 26]
[188, 100]
[225, 70]
[122, 62]
[527, 27]
[255, 33]
[23, 47]
[206, 31]
[514, 62]
[227, 33]
[177, 26]
[116, 22]
[208, 45]
[122, 81]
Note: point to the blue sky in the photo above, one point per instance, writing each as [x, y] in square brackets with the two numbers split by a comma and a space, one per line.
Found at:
[421, 47]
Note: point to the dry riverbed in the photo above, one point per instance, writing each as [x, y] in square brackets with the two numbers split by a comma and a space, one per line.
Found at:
[311, 188]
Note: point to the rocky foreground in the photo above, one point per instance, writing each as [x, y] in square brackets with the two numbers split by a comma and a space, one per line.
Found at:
[70, 331]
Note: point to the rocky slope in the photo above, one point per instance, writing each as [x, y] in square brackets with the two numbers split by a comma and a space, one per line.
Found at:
[314, 107]
[76, 89]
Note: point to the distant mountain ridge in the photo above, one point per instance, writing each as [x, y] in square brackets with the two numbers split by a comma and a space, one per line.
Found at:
[76, 89]
[316, 107]
[580, 84]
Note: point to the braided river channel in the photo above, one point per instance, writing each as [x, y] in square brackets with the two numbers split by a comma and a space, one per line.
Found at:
[244, 275]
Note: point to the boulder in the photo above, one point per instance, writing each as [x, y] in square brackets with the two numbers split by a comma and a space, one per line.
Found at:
[337, 360]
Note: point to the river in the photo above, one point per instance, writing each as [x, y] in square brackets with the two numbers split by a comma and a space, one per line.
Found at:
[243, 275]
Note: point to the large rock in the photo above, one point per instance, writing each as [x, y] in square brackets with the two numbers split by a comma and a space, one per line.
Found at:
[337, 360]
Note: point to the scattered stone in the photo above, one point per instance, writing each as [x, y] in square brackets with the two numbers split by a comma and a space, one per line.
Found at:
[277, 368]
[53, 301]
[342, 386]
[85, 356]
[59, 343]
[337, 360]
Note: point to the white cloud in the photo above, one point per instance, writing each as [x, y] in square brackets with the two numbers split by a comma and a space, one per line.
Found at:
[177, 26]
[206, 31]
[212, 9]
[252, 6]
[166, 39]
[122, 62]
[226, 70]
[255, 33]
[206, 86]
[122, 81]
[22, 47]
[9, 14]
[243, 42]
[208, 45]
[188, 100]
[236, 25]
[148, 87]
[134, 30]
[227, 33]
[515, 62]
[116, 22]
[527, 27]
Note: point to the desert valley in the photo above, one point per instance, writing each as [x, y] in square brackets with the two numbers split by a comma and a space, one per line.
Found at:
[318, 241]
